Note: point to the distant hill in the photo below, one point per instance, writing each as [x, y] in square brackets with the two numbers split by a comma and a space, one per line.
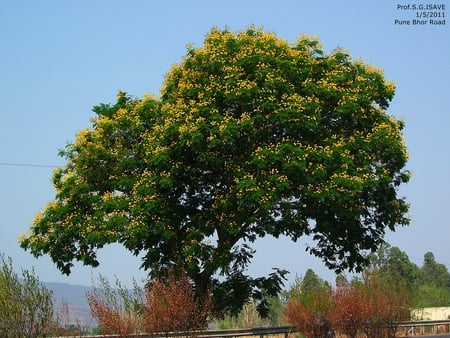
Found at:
[75, 297]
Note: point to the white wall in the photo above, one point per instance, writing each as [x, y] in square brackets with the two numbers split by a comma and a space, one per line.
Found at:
[431, 313]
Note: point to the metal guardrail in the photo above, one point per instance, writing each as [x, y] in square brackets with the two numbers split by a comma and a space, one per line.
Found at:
[421, 327]
[255, 332]
[411, 328]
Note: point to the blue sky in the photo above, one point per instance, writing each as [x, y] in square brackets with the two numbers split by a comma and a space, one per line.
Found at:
[60, 58]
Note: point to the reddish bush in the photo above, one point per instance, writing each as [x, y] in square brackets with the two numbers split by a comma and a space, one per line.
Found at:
[116, 309]
[110, 320]
[386, 305]
[348, 316]
[172, 306]
[312, 315]
[164, 306]
[372, 307]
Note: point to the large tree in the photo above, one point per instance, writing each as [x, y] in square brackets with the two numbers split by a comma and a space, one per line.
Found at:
[252, 136]
[394, 266]
[434, 288]
[434, 273]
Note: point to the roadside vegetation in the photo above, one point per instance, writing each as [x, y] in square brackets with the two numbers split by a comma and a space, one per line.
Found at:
[26, 307]
[369, 305]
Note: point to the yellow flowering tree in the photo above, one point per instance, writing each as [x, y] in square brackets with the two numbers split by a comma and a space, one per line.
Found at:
[252, 136]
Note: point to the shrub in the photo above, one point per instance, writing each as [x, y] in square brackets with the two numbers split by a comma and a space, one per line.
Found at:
[26, 307]
[311, 315]
[117, 309]
[386, 305]
[372, 307]
[172, 306]
[163, 306]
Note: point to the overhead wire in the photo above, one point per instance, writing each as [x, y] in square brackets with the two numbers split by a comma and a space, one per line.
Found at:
[33, 165]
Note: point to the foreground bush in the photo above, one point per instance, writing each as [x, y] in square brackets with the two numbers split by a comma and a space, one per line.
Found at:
[172, 306]
[312, 317]
[348, 316]
[163, 306]
[116, 308]
[371, 307]
[26, 307]
[385, 305]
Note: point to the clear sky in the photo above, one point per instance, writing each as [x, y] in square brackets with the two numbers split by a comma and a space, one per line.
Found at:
[60, 58]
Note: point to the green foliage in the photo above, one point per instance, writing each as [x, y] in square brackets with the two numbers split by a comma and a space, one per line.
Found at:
[276, 306]
[312, 282]
[305, 289]
[434, 283]
[252, 137]
[434, 273]
[427, 286]
[394, 267]
[429, 295]
[246, 318]
[310, 305]
[249, 316]
[26, 307]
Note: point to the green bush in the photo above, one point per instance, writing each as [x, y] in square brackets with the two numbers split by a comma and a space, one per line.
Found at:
[26, 306]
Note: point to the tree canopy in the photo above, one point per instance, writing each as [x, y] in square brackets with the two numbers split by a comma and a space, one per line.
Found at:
[427, 286]
[434, 287]
[392, 265]
[252, 136]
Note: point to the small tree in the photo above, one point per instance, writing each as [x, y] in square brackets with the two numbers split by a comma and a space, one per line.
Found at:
[398, 305]
[386, 305]
[165, 305]
[348, 315]
[26, 306]
[313, 318]
[310, 307]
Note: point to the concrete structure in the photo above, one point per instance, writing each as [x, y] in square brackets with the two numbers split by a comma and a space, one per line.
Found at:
[431, 313]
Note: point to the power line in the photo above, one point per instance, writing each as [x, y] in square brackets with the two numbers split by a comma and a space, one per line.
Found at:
[33, 165]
